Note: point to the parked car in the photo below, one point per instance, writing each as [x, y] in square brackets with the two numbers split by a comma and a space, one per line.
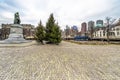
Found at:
[81, 38]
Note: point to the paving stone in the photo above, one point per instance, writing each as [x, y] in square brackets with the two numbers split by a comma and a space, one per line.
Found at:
[67, 61]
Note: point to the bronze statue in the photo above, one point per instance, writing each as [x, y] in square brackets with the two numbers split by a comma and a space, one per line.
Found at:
[16, 18]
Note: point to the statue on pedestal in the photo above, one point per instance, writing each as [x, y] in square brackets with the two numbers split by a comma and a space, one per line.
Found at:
[16, 18]
[16, 32]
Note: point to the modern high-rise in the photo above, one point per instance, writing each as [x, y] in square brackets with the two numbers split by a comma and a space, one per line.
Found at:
[83, 28]
[91, 28]
[99, 23]
[74, 31]
[90, 25]
[67, 31]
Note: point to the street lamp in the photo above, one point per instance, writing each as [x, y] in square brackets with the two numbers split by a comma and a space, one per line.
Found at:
[108, 20]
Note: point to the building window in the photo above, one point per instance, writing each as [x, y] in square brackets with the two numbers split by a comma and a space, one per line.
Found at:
[117, 29]
[118, 33]
[100, 34]
[103, 33]
[113, 29]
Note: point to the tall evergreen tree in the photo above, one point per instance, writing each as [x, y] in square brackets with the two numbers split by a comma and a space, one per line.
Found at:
[58, 33]
[53, 34]
[40, 33]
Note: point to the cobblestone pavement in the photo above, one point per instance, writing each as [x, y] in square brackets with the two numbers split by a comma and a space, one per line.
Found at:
[68, 61]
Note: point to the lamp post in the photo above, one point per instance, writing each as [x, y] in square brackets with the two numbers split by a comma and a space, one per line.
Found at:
[108, 25]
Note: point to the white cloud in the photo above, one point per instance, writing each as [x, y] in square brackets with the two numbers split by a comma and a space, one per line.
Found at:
[71, 12]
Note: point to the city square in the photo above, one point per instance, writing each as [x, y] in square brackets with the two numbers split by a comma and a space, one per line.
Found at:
[68, 61]
[59, 40]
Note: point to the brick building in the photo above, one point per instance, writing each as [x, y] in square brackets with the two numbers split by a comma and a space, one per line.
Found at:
[28, 31]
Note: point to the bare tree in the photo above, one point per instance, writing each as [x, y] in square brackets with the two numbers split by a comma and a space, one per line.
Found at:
[109, 23]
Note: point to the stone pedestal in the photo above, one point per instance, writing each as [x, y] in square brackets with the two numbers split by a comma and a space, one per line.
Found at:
[16, 35]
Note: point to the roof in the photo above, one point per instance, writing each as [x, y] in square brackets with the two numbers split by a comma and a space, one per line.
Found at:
[0, 26]
[116, 21]
[98, 28]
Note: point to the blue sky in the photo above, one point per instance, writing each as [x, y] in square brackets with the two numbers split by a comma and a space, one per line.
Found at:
[66, 12]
